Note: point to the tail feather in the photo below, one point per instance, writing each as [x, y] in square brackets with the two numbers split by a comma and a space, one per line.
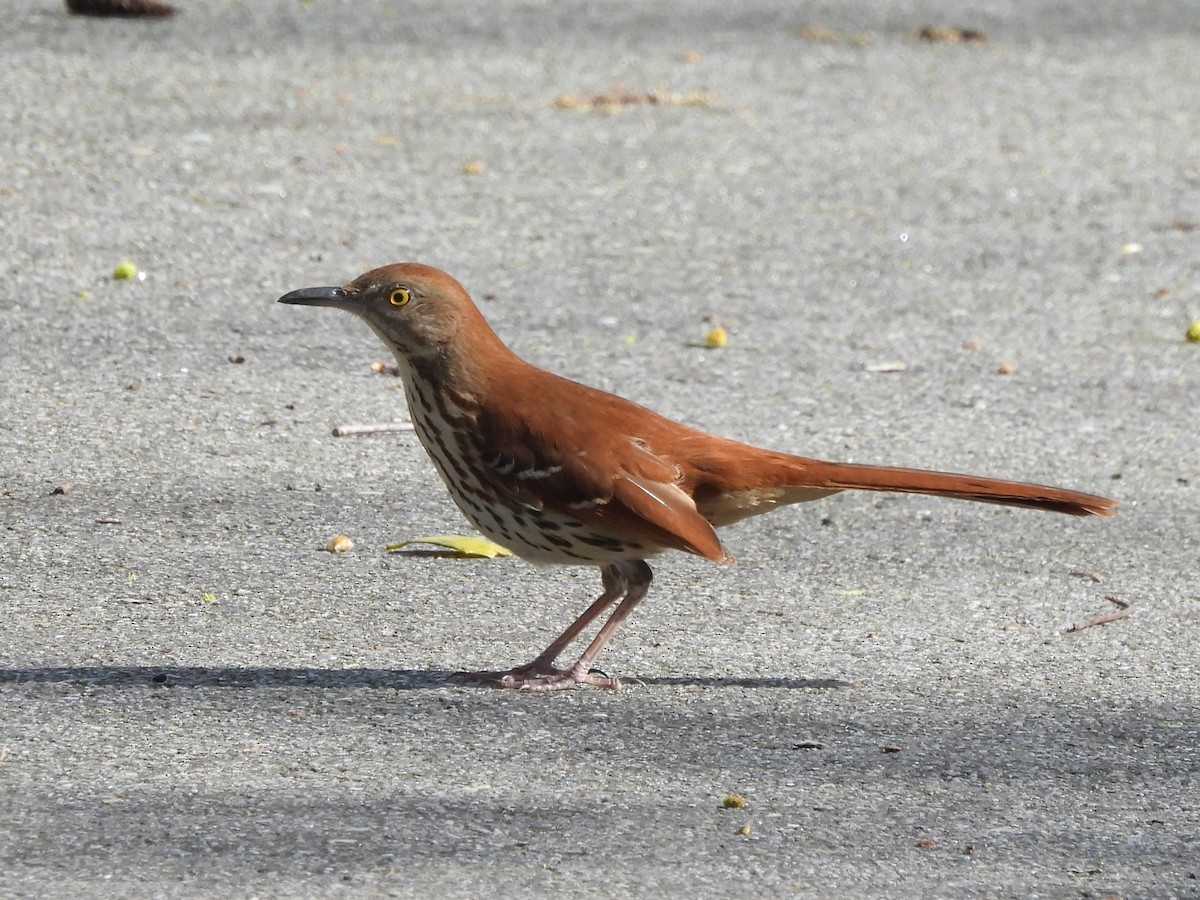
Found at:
[853, 476]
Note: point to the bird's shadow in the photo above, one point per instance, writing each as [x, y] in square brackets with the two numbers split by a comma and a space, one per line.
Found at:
[283, 677]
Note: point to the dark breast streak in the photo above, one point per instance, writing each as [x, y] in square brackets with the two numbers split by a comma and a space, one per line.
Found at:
[444, 422]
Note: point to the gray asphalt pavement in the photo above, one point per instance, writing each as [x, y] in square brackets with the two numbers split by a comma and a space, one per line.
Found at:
[197, 701]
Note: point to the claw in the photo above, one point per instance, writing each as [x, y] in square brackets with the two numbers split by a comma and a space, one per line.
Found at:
[535, 677]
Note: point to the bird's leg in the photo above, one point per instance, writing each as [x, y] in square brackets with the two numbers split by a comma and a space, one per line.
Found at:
[636, 576]
[543, 666]
[628, 580]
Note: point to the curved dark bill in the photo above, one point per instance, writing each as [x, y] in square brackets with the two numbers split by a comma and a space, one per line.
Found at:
[318, 296]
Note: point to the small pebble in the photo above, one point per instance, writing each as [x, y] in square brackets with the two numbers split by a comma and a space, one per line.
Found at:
[716, 338]
[339, 543]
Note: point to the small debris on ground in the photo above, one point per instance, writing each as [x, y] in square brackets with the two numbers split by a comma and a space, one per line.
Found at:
[819, 34]
[949, 34]
[617, 98]
[1122, 611]
[339, 543]
[121, 8]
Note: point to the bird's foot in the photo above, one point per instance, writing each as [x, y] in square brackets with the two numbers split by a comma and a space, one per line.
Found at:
[539, 676]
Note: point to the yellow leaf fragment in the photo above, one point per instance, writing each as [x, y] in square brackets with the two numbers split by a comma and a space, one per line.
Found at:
[461, 546]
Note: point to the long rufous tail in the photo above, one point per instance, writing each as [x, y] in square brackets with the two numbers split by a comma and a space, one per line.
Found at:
[852, 476]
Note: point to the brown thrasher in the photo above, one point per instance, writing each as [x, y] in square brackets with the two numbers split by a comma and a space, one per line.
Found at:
[563, 473]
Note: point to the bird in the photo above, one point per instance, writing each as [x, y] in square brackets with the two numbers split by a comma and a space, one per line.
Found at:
[563, 473]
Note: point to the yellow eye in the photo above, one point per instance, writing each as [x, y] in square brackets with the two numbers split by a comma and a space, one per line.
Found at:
[399, 297]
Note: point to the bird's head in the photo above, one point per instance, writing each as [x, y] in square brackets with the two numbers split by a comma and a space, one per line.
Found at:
[417, 310]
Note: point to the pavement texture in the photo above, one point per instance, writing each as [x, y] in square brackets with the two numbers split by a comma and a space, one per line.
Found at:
[197, 701]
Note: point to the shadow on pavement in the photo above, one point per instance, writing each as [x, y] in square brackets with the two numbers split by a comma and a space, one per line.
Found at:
[274, 677]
